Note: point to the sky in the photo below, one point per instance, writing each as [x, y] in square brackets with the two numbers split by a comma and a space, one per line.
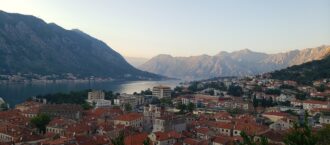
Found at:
[145, 28]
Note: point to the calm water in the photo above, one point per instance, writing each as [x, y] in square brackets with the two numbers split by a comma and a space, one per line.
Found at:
[17, 93]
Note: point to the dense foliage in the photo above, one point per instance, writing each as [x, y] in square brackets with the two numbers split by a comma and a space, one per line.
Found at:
[305, 73]
[235, 90]
[40, 121]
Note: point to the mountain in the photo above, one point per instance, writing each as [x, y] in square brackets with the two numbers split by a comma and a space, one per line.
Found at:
[237, 63]
[28, 45]
[136, 61]
[305, 73]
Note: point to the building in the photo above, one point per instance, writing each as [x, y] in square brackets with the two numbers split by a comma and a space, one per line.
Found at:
[150, 113]
[102, 103]
[274, 116]
[168, 123]
[59, 125]
[282, 124]
[70, 111]
[96, 95]
[161, 91]
[165, 138]
[312, 104]
[133, 100]
[97, 99]
[130, 119]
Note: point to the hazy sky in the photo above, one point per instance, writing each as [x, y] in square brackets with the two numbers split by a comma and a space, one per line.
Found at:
[145, 28]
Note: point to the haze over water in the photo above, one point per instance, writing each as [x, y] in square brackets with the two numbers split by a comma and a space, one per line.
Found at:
[17, 93]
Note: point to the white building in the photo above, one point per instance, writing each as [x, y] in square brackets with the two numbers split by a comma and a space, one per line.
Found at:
[161, 91]
[151, 112]
[102, 103]
[97, 98]
[313, 104]
[133, 100]
[96, 95]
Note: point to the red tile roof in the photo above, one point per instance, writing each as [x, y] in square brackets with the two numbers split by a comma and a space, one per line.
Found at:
[191, 141]
[136, 139]
[129, 117]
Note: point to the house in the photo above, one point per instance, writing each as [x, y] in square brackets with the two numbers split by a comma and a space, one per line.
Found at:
[204, 133]
[11, 134]
[190, 141]
[136, 139]
[168, 123]
[223, 128]
[325, 118]
[28, 105]
[221, 140]
[130, 119]
[282, 124]
[222, 116]
[274, 137]
[274, 116]
[59, 125]
[312, 104]
[165, 138]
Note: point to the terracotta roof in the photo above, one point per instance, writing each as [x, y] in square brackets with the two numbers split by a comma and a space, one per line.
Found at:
[222, 139]
[315, 102]
[222, 125]
[136, 139]
[276, 114]
[190, 141]
[203, 130]
[129, 117]
[273, 135]
[160, 136]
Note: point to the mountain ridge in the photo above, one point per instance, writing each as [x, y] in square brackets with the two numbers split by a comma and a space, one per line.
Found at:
[238, 63]
[29, 45]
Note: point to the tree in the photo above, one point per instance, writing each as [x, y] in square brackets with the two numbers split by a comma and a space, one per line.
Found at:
[181, 107]
[146, 141]
[191, 107]
[301, 96]
[128, 107]
[235, 90]
[3, 107]
[249, 140]
[263, 102]
[255, 102]
[301, 134]
[323, 136]
[40, 121]
[86, 106]
[146, 92]
[119, 140]
[178, 89]
[166, 101]
[270, 102]
[193, 87]
[273, 92]
[321, 88]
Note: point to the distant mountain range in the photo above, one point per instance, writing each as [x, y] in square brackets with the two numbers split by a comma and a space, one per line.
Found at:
[305, 73]
[136, 61]
[237, 63]
[28, 45]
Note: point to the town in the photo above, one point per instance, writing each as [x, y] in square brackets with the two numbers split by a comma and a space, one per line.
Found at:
[220, 111]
